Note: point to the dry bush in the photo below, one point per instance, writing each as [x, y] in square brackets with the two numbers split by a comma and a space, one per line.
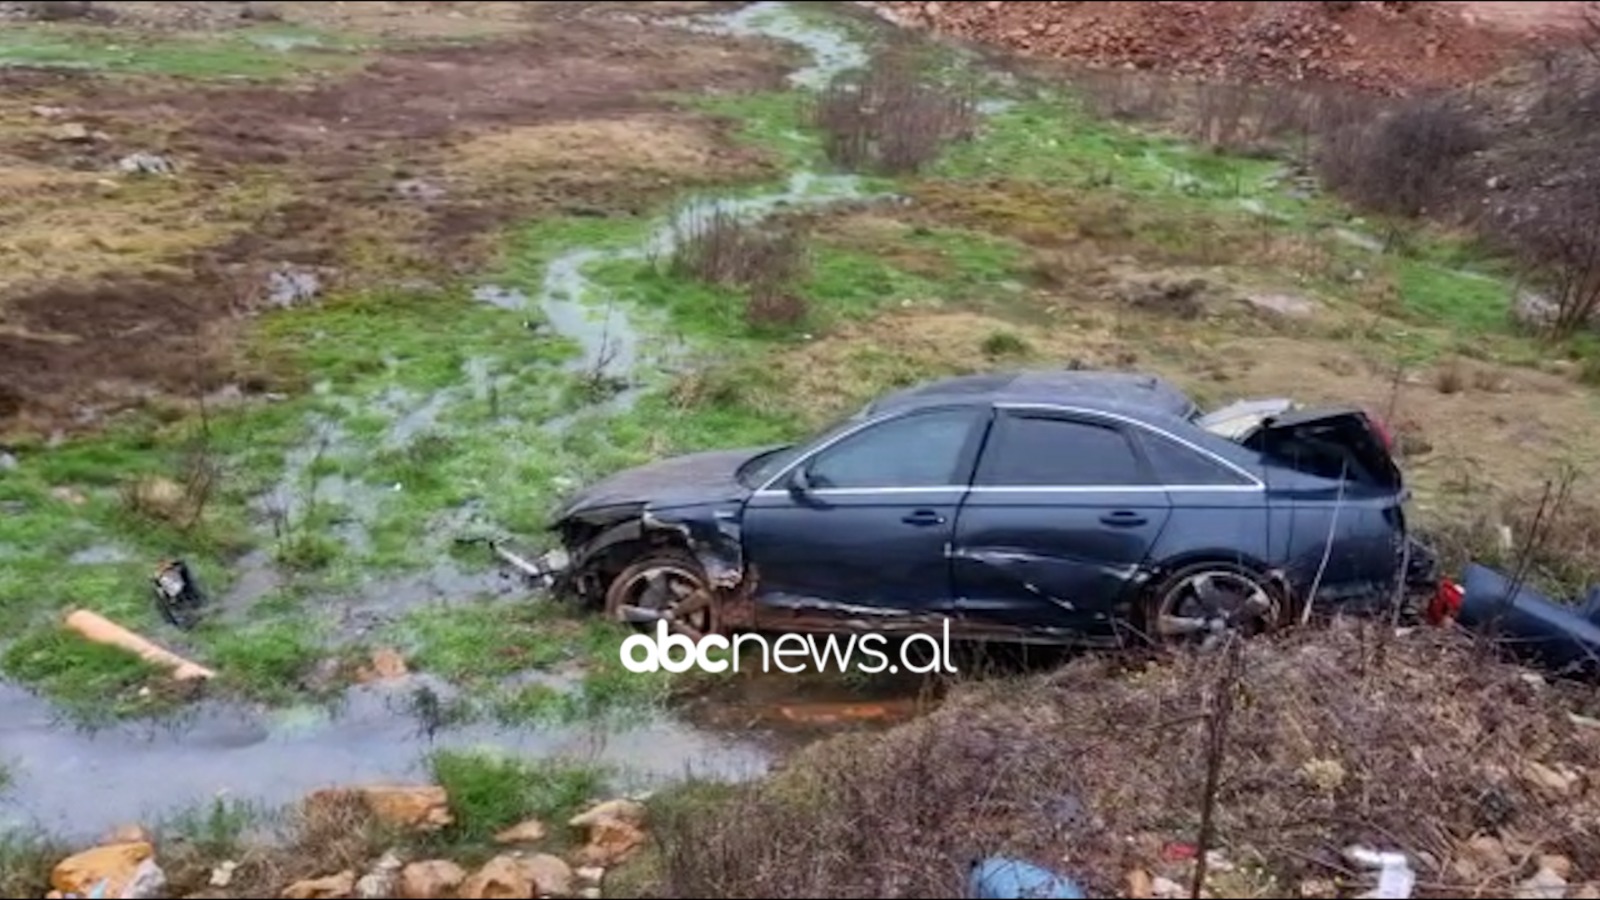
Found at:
[59, 10]
[715, 246]
[893, 119]
[1100, 767]
[1450, 378]
[1558, 234]
[1129, 96]
[1560, 546]
[1404, 163]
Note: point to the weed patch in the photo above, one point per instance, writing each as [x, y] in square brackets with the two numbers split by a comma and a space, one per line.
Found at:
[491, 793]
[25, 863]
[893, 119]
[483, 640]
[216, 830]
[268, 661]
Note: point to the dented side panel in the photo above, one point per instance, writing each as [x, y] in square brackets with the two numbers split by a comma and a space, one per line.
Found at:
[713, 533]
[1053, 559]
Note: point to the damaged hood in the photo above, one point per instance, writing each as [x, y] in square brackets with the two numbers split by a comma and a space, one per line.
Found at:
[677, 481]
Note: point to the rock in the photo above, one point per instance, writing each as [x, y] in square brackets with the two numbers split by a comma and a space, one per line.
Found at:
[610, 842]
[590, 874]
[1167, 889]
[257, 11]
[222, 875]
[158, 497]
[72, 133]
[1589, 891]
[1318, 888]
[383, 880]
[529, 832]
[434, 878]
[419, 190]
[114, 864]
[1289, 306]
[289, 286]
[500, 878]
[631, 812]
[49, 112]
[590, 893]
[1556, 864]
[551, 876]
[329, 888]
[146, 164]
[1326, 775]
[1482, 858]
[1138, 885]
[128, 834]
[387, 665]
[1544, 885]
[1533, 309]
[148, 882]
[1558, 784]
[422, 808]
[8, 463]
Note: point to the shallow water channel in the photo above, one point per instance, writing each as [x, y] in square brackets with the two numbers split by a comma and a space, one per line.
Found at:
[77, 783]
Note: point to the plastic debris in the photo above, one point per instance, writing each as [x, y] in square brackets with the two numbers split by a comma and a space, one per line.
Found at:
[1000, 878]
[1395, 878]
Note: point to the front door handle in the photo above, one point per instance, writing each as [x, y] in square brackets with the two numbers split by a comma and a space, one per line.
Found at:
[1123, 518]
[923, 518]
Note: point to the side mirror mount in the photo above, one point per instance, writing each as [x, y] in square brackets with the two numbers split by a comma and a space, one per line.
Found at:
[800, 481]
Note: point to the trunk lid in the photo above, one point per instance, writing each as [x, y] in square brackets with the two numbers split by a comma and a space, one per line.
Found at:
[1328, 442]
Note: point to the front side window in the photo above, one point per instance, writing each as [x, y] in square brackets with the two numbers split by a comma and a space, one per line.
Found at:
[923, 449]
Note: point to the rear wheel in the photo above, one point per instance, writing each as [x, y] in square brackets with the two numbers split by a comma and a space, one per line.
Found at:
[665, 584]
[1205, 603]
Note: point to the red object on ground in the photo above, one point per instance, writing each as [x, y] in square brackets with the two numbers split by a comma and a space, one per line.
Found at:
[1179, 852]
[1446, 603]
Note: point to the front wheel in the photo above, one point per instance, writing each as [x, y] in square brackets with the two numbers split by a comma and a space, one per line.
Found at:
[1205, 603]
[665, 584]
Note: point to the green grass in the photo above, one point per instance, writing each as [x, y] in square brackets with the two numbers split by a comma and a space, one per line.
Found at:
[26, 859]
[91, 681]
[266, 660]
[261, 52]
[483, 640]
[1463, 302]
[489, 793]
[217, 830]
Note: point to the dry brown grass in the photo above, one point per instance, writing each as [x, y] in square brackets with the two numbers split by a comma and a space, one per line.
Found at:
[1485, 443]
[1092, 770]
[668, 146]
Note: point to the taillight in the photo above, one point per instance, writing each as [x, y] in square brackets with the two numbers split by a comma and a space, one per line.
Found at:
[1446, 603]
[1381, 429]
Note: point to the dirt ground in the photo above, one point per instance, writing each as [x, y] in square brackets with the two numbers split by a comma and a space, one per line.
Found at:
[117, 287]
[1387, 47]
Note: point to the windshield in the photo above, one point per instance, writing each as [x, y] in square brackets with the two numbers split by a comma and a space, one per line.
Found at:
[761, 469]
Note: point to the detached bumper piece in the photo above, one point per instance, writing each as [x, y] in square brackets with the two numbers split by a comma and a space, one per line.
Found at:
[1564, 638]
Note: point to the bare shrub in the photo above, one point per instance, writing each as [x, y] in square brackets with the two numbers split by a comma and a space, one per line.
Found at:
[1451, 378]
[1129, 96]
[1095, 769]
[893, 119]
[715, 246]
[59, 10]
[1558, 234]
[1405, 162]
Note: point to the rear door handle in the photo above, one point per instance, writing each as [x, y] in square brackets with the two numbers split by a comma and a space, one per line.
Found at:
[924, 518]
[1123, 518]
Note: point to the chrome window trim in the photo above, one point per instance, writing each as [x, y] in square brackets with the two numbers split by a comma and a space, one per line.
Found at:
[1255, 485]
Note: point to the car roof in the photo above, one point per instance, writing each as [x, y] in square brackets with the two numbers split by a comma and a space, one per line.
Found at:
[1109, 391]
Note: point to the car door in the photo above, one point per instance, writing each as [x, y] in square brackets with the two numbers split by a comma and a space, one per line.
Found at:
[866, 520]
[1062, 512]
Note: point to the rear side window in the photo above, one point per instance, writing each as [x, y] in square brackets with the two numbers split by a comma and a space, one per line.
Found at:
[1048, 451]
[1178, 465]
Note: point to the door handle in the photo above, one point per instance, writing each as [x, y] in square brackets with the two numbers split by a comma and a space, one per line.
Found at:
[924, 518]
[1123, 518]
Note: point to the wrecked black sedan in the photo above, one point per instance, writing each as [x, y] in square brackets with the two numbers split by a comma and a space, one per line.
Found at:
[1060, 506]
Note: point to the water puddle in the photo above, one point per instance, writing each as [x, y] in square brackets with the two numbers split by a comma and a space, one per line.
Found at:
[78, 784]
[285, 43]
[98, 555]
[833, 50]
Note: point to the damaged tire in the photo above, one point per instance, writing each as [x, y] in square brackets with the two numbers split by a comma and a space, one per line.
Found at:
[665, 583]
[1204, 603]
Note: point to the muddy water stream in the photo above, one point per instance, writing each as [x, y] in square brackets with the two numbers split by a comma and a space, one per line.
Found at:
[77, 783]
